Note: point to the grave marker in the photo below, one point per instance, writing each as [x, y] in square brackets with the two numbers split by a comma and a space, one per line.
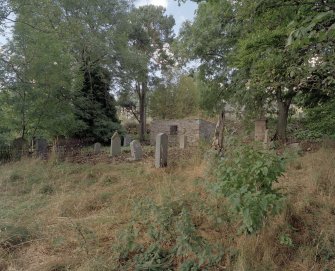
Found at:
[115, 145]
[136, 150]
[161, 152]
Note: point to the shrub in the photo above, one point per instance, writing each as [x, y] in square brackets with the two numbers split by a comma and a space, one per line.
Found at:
[245, 176]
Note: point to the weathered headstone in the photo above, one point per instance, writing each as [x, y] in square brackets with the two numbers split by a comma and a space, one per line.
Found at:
[115, 145]
[260, 128]
[97, 148]
[161, 152]
[41, 148]
[127, 140]
[136, 150]
[266, 140]
[182, 141]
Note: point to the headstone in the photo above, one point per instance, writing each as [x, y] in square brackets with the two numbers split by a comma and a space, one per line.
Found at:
[260, 128]
[127, 140]
[183, 141]
[266, 140]
[115, 145]
[161, 152]
[41, 148]
[136, 150]
[97, 148]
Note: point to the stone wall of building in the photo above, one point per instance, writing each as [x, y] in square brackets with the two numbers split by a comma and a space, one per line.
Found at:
[206, 130]
[192, 128]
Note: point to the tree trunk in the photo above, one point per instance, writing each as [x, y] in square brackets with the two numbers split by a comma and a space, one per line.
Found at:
[23, 113]
[142, 98]
[283, 109]
[218, 135]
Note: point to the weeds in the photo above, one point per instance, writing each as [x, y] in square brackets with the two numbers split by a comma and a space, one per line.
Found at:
[134, 217]
[246, 176]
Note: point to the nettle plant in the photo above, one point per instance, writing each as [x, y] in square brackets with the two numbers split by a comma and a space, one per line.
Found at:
[246, 176]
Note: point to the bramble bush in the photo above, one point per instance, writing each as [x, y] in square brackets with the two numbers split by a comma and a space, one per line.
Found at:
[246, 176]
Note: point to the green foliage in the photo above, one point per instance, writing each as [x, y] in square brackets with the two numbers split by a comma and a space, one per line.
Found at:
[177, 100]
[321, 119]
[285, 240]
[245, 175]
[95, 106]
[255, 53]
[172, 235]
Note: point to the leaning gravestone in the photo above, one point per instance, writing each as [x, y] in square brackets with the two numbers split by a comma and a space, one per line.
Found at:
[136, 150]
[115, 145]
[41, 148]
[161, 152]
[127, 140]
[97, 148]
[182, 141]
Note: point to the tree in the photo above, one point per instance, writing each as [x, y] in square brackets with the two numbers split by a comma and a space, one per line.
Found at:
[261, 52]
[95, 106]
[35, 82]
[150, 33]
[175, 99]
[42, 67]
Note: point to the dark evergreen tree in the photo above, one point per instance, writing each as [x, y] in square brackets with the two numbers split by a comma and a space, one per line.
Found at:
[95, 106]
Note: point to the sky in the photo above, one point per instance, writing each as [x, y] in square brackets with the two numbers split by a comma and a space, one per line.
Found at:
[180, 13]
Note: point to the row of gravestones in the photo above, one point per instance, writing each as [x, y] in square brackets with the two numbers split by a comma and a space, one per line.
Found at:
[161, 152]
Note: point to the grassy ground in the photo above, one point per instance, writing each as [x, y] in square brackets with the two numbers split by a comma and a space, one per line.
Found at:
[129, 216]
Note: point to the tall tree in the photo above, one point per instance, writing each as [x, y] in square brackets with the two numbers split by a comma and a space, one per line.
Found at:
[266, 49]
[95, 106]
[43, 64]
[150, 35]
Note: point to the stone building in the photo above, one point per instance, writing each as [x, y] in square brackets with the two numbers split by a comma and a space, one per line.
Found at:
[194, 129]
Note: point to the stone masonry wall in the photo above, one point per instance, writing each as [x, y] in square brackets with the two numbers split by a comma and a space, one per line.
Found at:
[190, 126]
[207, 130]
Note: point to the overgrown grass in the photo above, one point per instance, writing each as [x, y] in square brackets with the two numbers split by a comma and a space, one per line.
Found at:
[131, 216]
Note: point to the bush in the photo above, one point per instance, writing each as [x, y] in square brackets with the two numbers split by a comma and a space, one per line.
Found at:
[245, 176]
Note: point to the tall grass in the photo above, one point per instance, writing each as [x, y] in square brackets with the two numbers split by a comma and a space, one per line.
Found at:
[126, 216]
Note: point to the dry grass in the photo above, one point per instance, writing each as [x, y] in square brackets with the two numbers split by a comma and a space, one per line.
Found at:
[72, 214]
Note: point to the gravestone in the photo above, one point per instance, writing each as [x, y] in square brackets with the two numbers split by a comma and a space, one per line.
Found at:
[266, 140]
[41, 148]
[161, 152]
[115, 145]
[136, 150]
[182, 141]
[97, 148]
[260, 128]
[127, 140]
